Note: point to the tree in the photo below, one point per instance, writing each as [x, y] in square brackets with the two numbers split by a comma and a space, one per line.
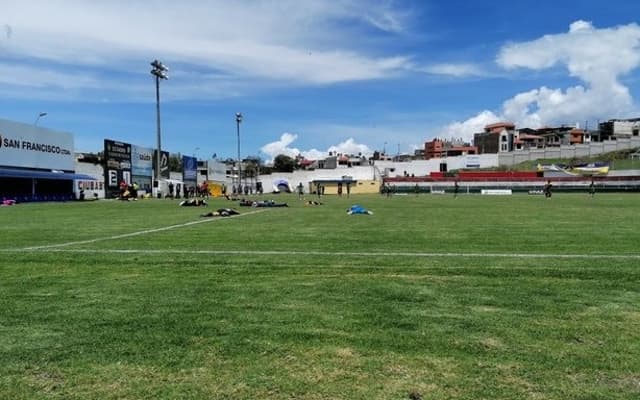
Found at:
[175, 163]
[252, 166]
[283, 163]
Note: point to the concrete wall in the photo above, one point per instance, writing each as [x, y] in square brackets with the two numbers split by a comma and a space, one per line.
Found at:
[568, 151]
[358, 173]
[425, 167]
[369, 173]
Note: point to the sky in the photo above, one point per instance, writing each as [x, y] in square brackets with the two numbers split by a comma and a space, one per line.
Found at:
[311, 76]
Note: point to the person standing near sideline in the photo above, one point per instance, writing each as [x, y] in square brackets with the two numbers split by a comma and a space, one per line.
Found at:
[456, 189]
[300, 191]
[592, 189]
[547, 190]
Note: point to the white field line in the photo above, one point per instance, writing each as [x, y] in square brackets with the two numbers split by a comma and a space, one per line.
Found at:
[50, 247]
[333, 253]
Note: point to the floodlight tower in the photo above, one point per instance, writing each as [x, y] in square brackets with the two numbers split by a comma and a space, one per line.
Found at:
[40, 115]
[159, 70]
[238, 121]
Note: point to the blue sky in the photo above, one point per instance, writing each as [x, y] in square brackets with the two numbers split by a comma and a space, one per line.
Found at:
[314, 76]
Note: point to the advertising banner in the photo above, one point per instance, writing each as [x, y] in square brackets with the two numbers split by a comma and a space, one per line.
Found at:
[189, 169]
[217, 171]
[472, 161]
[141, 161]
[117, 156]
[29, 146]
[164, 163]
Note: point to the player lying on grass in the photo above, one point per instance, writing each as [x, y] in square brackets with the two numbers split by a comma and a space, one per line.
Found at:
[357, 209]
[261, 203]
[192, 203]
[221, 212]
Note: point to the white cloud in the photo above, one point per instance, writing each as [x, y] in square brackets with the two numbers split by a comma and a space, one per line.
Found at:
[350, 146]
[282, 146]
[466, 129]
[598, 57]
[293, 42]
[454, 70]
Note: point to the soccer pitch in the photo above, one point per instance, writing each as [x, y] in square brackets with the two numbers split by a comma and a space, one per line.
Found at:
[505, 297]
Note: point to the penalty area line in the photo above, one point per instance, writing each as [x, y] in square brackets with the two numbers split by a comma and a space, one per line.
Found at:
[334, 253]
[51, 247]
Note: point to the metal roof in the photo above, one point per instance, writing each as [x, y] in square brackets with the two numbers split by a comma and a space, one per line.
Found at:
[31, 174]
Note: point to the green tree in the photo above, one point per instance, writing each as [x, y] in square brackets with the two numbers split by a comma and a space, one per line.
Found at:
[283, 163]
[252, 166]
[175, 163]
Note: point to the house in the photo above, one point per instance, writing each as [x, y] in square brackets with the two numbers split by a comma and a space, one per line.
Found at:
[526, 139]
[438, 148]
[619, 128]
[579, 136]
[496, 138]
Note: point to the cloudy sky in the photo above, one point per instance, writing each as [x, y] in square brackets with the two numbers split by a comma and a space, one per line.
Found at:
[314, 76]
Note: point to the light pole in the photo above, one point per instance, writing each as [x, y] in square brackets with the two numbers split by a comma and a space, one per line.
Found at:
[238, 121]
[160, 72]
[40, 115]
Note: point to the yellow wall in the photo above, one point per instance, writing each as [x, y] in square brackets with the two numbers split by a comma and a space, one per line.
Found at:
[360, 187]
[366, 187]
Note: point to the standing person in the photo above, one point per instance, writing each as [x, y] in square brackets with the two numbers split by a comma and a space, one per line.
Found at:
[547, 190]
[456, 189]
[171, 189]
[592, 189]
[348, 189]
[340, 189]
[318, 190]
[416, 189]
[300, 191]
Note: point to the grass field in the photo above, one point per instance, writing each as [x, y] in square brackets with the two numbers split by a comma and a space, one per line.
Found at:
[513, 297]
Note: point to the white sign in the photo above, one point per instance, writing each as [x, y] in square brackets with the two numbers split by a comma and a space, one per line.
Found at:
[496, 192]
[472, 161]
[28, 146]
[217, 171]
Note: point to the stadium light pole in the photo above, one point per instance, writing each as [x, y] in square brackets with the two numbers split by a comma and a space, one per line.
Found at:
[40, 115]
[238, 121]
[159, 70]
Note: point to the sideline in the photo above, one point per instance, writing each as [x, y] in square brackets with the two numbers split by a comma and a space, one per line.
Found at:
[55, 248]
[51, 247]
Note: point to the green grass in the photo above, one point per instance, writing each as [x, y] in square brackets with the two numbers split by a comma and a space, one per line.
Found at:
[310, 303]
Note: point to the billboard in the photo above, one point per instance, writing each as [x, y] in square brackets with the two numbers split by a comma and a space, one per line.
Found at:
[189, 169]
[117, 166]
[141, 161]
[29, 146]
[216, 171]
[164, 163]
[472, 161]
